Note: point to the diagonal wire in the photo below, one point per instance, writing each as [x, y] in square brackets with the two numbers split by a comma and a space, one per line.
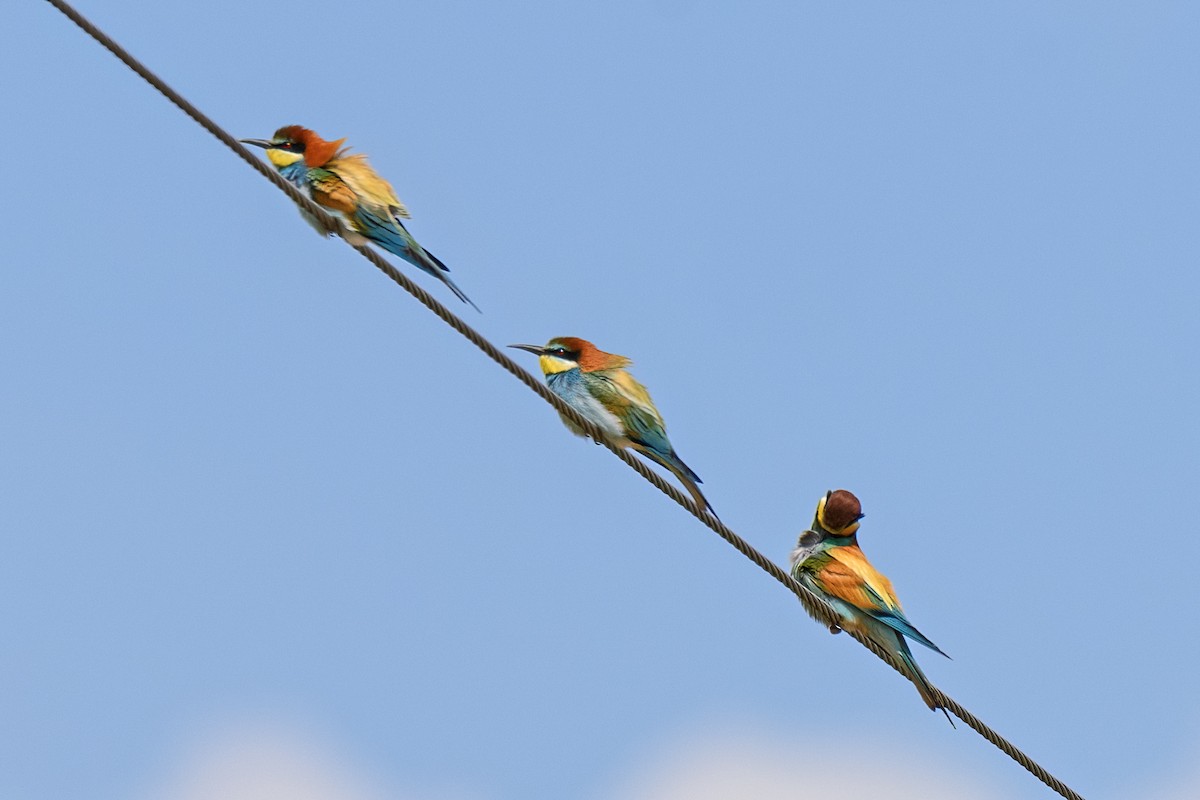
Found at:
[812, 603]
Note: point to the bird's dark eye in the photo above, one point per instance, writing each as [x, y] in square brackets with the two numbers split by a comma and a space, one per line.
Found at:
[558, 351]
[291, 147]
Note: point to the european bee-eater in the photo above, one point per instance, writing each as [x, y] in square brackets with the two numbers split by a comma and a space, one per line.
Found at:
[350, 189]
[828, 560]
[597, 385]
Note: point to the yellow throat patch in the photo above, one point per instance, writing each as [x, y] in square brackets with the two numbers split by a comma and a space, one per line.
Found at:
[553, 364]
[283, 158]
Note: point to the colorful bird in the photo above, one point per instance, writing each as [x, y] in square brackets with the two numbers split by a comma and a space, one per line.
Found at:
[828, 560]
[350, 189]
[597, 385]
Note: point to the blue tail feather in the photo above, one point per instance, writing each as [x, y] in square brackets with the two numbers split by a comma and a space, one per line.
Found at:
[900, 624]
[392, 236]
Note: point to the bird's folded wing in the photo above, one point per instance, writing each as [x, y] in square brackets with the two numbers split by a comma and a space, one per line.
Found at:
[859, 583]
[842, 582]
[372, 190]
[630, 401]
[873, 591]
[330, 191]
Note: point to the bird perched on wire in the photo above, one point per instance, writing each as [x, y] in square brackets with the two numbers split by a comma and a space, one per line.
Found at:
[597, 385]
[828, 560]
[350, 189]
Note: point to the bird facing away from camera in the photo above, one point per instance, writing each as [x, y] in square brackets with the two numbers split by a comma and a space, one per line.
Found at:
[828, 561]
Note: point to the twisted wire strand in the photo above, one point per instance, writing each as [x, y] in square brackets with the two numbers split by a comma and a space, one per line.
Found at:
[812, 603]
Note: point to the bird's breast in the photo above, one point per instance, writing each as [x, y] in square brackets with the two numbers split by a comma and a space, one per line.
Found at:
[572, 387]
[295, 172]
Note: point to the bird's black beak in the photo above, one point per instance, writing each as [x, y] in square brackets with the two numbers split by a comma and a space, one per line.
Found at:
[536, 349]
[263, 143]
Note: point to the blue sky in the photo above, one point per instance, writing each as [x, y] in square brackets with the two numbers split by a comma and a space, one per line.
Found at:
[267, 520]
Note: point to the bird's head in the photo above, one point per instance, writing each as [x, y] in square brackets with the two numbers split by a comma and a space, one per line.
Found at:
[838, 513]
[292, 143]
[565, 353]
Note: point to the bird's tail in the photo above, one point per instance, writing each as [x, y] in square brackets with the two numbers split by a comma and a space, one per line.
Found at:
[444, 278]
[900, 624]
[391, 235]
[680, 470]
[441, 275]
[914, 673]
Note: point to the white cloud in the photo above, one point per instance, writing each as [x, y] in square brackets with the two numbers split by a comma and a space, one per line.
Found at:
[725, 761]
[738, 764]
[272, 761]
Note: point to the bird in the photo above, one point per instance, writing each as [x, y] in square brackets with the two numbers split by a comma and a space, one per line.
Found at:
[838, 514]
[353, 192]
[829, 561]
[598, 386]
